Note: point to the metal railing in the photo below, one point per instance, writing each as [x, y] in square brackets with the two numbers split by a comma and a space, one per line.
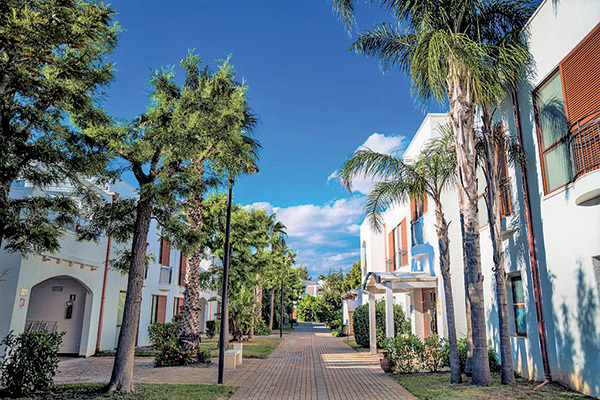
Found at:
[165, 275]
[416, 231]
[41, 326]
[584, 144]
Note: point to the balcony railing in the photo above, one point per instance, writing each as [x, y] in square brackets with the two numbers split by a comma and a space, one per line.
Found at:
[416, 231]
[165, 276]
[584, 143]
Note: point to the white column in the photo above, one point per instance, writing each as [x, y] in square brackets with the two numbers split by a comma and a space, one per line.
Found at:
[372, 328]
[389, 311]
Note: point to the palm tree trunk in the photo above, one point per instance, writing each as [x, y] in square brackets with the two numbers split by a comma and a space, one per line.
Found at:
[253, 320]
[494, 217]
[443, 241]
[189, 328]
[122, 373]
[462, 116]
[469, 358]
[272, 307]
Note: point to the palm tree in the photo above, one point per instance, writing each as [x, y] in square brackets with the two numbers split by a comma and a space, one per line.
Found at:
[432, 172]
[226, 141]
[439, 44]
[511, 51]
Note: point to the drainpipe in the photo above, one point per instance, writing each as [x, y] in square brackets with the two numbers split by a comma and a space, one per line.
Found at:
[537, 287]
[106, 265]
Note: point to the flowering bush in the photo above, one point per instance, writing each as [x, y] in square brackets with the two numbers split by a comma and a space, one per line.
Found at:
[172, 354]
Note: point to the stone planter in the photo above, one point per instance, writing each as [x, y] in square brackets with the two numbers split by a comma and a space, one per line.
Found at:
[385, 364]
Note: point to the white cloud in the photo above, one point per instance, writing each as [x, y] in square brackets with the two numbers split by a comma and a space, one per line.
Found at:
[325, 235]
[393, 145]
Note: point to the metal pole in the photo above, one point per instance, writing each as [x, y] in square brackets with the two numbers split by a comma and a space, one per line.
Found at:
[281, 320]
[106, 265]
[222, 337]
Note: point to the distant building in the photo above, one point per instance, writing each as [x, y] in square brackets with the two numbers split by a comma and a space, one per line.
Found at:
[312, 288]
[62, 291]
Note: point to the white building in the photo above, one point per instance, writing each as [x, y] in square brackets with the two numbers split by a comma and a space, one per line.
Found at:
[63, 291]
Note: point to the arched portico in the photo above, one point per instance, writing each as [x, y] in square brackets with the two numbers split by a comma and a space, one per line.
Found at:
[61, 303]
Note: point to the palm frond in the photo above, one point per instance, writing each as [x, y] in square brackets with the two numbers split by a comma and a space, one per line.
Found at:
[381, 197]
[368, 163]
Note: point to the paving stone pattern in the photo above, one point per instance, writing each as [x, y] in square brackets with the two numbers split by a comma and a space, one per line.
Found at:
[310, 364]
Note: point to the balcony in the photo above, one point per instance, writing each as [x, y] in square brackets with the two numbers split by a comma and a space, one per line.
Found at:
[584, 145]
[165, 276]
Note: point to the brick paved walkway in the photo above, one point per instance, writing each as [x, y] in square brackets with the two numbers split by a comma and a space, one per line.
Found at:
[309, 364]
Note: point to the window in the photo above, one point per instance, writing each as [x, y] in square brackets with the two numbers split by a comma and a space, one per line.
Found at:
[165, 253]
[505, 201]
[417, 209]
[552, 133]
[182, 269]
[518, 305]
[159, 307]
[392, 248]
[177, 303]
[567, 112]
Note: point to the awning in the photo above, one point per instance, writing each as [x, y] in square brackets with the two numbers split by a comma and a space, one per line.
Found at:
[401, 282]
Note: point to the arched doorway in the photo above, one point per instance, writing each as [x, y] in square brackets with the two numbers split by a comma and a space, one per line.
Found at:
[58, 304]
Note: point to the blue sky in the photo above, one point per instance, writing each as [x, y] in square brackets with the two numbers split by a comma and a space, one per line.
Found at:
[317, 103]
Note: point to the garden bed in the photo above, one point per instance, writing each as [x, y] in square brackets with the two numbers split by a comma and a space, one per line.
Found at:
[430, 386]
[146, 391]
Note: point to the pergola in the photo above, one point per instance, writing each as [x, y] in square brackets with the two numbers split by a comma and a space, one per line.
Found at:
[389, 283]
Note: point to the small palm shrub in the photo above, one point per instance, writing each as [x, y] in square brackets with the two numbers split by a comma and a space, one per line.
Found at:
[211, 328]
[30, 362]
[461, 343]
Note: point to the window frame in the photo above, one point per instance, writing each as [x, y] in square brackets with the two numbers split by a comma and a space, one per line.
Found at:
[539, 133]
[517, 305]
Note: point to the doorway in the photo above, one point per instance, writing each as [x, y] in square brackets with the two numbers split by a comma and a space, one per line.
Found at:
[430, 312]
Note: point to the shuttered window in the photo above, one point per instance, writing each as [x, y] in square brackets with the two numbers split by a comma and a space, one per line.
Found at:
[165, 252]
[391, 252]
[567, 111]
[403, 244]
[159, 309]
[580, 72]
[182, 269]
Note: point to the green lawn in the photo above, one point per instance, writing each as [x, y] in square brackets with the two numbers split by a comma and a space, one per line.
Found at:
[259, 347]
[429, 386]
[146, 391]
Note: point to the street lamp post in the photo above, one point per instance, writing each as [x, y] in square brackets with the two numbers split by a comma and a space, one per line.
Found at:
[222, 337]
[281, 319]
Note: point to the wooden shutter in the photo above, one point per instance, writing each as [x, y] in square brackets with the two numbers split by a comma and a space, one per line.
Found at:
[424, 204]
[182, 269]
[404, 242]
[580, 73]
[165, 252]
[413, 209]
[161, 308]
[391, 252]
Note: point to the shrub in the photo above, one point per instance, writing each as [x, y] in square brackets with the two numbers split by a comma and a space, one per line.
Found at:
[172, 354]
[406, 352]
[495, 367]
[161, 334]
[361, 323]
[211, 328]
[204, 355]
[433, 355]
[262, 329]
[30, 362]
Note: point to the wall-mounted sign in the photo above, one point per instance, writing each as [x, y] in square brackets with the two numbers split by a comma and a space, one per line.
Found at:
[24, 291]
[21, 302]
